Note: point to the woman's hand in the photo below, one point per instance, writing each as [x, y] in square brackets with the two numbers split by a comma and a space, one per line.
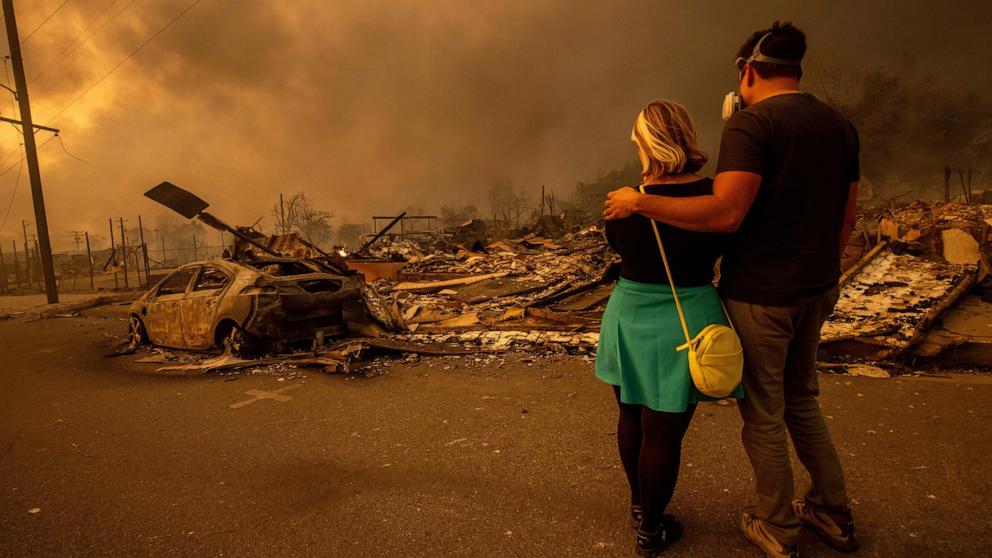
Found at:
[621, 203]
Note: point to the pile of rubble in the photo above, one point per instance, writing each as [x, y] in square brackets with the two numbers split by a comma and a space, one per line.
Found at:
[529, 291]
[907, 294]
[401, 249]
[910, 272]
[912, 289]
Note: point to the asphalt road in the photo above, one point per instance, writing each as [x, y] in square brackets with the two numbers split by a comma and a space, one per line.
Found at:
[98, 457]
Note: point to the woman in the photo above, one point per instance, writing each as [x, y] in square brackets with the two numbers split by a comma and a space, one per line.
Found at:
[640, 331]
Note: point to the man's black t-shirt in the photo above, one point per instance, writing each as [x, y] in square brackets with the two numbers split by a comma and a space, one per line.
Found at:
[691, 255]
[787, 248]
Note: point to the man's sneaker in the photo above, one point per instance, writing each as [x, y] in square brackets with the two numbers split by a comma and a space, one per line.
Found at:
[652, 544]
[755, 531]
[836, 529]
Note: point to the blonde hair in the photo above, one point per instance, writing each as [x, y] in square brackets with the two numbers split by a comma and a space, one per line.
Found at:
[664, 133]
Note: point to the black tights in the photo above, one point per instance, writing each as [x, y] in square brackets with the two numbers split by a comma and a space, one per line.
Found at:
[650, 444]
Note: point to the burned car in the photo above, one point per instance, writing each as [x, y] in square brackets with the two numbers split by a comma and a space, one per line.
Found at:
[257, 305]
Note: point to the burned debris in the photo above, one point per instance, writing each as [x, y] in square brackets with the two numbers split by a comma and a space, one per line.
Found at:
[921, 269]
[911, 289]
[908, 273]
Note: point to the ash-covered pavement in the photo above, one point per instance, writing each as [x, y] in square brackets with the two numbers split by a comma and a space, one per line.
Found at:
[100, 457]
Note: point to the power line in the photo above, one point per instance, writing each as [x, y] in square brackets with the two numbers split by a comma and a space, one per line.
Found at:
[12, 152]
[126, 58]
[74, 45]
[20, 165]
[42, 24]
[80, 159]
[6, 79]
[10, 168]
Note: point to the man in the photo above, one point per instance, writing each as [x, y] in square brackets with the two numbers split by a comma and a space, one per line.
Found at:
[786, 186]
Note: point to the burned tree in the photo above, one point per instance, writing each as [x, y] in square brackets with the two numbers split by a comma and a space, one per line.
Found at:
[297, 214]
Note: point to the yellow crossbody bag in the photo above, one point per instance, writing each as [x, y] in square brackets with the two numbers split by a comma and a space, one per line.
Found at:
[716, 358]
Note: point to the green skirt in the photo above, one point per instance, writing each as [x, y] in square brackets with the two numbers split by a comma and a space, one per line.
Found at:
[638, 340]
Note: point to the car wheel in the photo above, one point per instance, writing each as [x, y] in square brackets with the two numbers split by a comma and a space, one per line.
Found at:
[240, 343]
[137, 336]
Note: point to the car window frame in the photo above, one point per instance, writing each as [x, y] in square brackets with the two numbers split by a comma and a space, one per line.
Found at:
[158, 289]
[191, 288]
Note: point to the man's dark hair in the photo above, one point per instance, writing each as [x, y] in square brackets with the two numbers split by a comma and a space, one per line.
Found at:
[786, 41]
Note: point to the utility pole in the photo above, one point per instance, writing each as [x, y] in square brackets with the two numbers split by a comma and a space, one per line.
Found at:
[89, 260]
[17, 271]
[113, 253]
[124, 251]
[947, 183]
[144, 252]
[30, 152]
[161, 241]
[37, 253]
[27, 253]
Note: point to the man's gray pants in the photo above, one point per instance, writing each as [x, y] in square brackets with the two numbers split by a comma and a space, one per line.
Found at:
[780, 391]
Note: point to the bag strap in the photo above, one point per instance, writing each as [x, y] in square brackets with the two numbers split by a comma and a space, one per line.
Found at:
[671, 283]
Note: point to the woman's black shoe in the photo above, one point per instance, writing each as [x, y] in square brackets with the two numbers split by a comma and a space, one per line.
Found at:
[652, 544]
[636, 513]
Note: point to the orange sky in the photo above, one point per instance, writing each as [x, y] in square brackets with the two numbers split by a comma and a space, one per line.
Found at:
[373, 106]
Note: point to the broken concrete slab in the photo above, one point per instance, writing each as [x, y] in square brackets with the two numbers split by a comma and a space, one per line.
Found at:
[866, 370]
[959, 247]
[887, 307]
[963, 336]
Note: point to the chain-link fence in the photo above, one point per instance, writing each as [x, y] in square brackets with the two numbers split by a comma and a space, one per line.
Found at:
[128, 267]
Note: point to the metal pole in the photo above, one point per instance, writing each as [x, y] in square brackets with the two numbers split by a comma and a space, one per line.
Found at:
[161, 239]
[27, 254]
[947, 183]
[113, 253]
[30, 152]
[124, 251]
[969, 184]
[542, 200]
[17, 272]
[380, 233]
[89, 259]
[195, 255]
[37, 252]
[964, 188]
[3, 272]
[144, 250]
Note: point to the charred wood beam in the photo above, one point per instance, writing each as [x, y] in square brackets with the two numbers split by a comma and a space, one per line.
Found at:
[215, 223]
[862, 262]
[381, 233]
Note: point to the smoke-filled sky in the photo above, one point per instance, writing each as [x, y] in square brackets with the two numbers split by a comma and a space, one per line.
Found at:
[370, 106]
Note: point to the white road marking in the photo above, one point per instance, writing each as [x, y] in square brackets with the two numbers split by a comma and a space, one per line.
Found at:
[259, 395]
